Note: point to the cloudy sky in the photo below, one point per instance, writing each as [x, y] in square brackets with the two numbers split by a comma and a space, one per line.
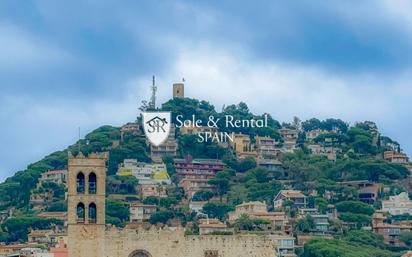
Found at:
[70, 64]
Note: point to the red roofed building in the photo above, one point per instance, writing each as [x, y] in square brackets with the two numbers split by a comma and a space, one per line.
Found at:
[60, 250]
[56, 176]
[197, 168]
[296, 197]
[54, 215]
[193, 185]
[210, 226]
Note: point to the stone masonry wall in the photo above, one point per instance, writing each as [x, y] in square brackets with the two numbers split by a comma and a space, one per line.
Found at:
[173, 243]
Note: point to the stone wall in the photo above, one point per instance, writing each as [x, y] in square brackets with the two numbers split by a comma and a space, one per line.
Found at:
[167, 242]
[94, 239]
[86, 241]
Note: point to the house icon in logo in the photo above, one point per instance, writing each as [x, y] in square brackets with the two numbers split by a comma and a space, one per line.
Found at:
[157, 126]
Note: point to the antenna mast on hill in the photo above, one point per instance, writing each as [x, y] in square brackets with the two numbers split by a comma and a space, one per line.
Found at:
[78, 142]
[153, 98]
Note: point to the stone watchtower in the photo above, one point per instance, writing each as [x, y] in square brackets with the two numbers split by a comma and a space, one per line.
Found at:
[178, 90]
[86, 204]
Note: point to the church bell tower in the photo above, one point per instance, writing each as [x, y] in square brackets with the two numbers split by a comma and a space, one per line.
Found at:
[86, 204]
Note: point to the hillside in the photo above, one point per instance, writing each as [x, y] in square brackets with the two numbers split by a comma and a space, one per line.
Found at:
[358, 155]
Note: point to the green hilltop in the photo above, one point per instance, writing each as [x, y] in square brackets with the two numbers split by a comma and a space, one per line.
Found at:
[360, 157]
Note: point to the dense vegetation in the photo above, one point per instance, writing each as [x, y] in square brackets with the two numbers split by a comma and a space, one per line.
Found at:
[359, 158]
[16, 229]
[342, 248]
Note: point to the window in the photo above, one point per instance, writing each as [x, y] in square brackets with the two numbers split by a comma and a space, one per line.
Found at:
[392, 230]
[286, 242]
[80, 183]
[92, 213]
[92, 183]
[80, 213]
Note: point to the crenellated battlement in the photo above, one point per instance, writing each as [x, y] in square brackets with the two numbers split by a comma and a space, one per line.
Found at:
[94, 155]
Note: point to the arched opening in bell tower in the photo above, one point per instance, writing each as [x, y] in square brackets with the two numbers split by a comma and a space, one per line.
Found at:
[92, 213]
[80, 213]
[92, 183]
[80, 183]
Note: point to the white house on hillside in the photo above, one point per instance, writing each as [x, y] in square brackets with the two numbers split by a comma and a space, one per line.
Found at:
[398, 204]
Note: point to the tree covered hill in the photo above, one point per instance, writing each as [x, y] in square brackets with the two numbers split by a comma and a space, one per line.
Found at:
[359, 158]
[361, 146]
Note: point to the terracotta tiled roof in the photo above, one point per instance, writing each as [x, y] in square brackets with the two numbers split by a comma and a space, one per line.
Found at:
[142, 205]
[292, 193]
[221, 225]
[55, 172]
[39, 233]
[251, 203]
[385, 225]
[57, 215]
